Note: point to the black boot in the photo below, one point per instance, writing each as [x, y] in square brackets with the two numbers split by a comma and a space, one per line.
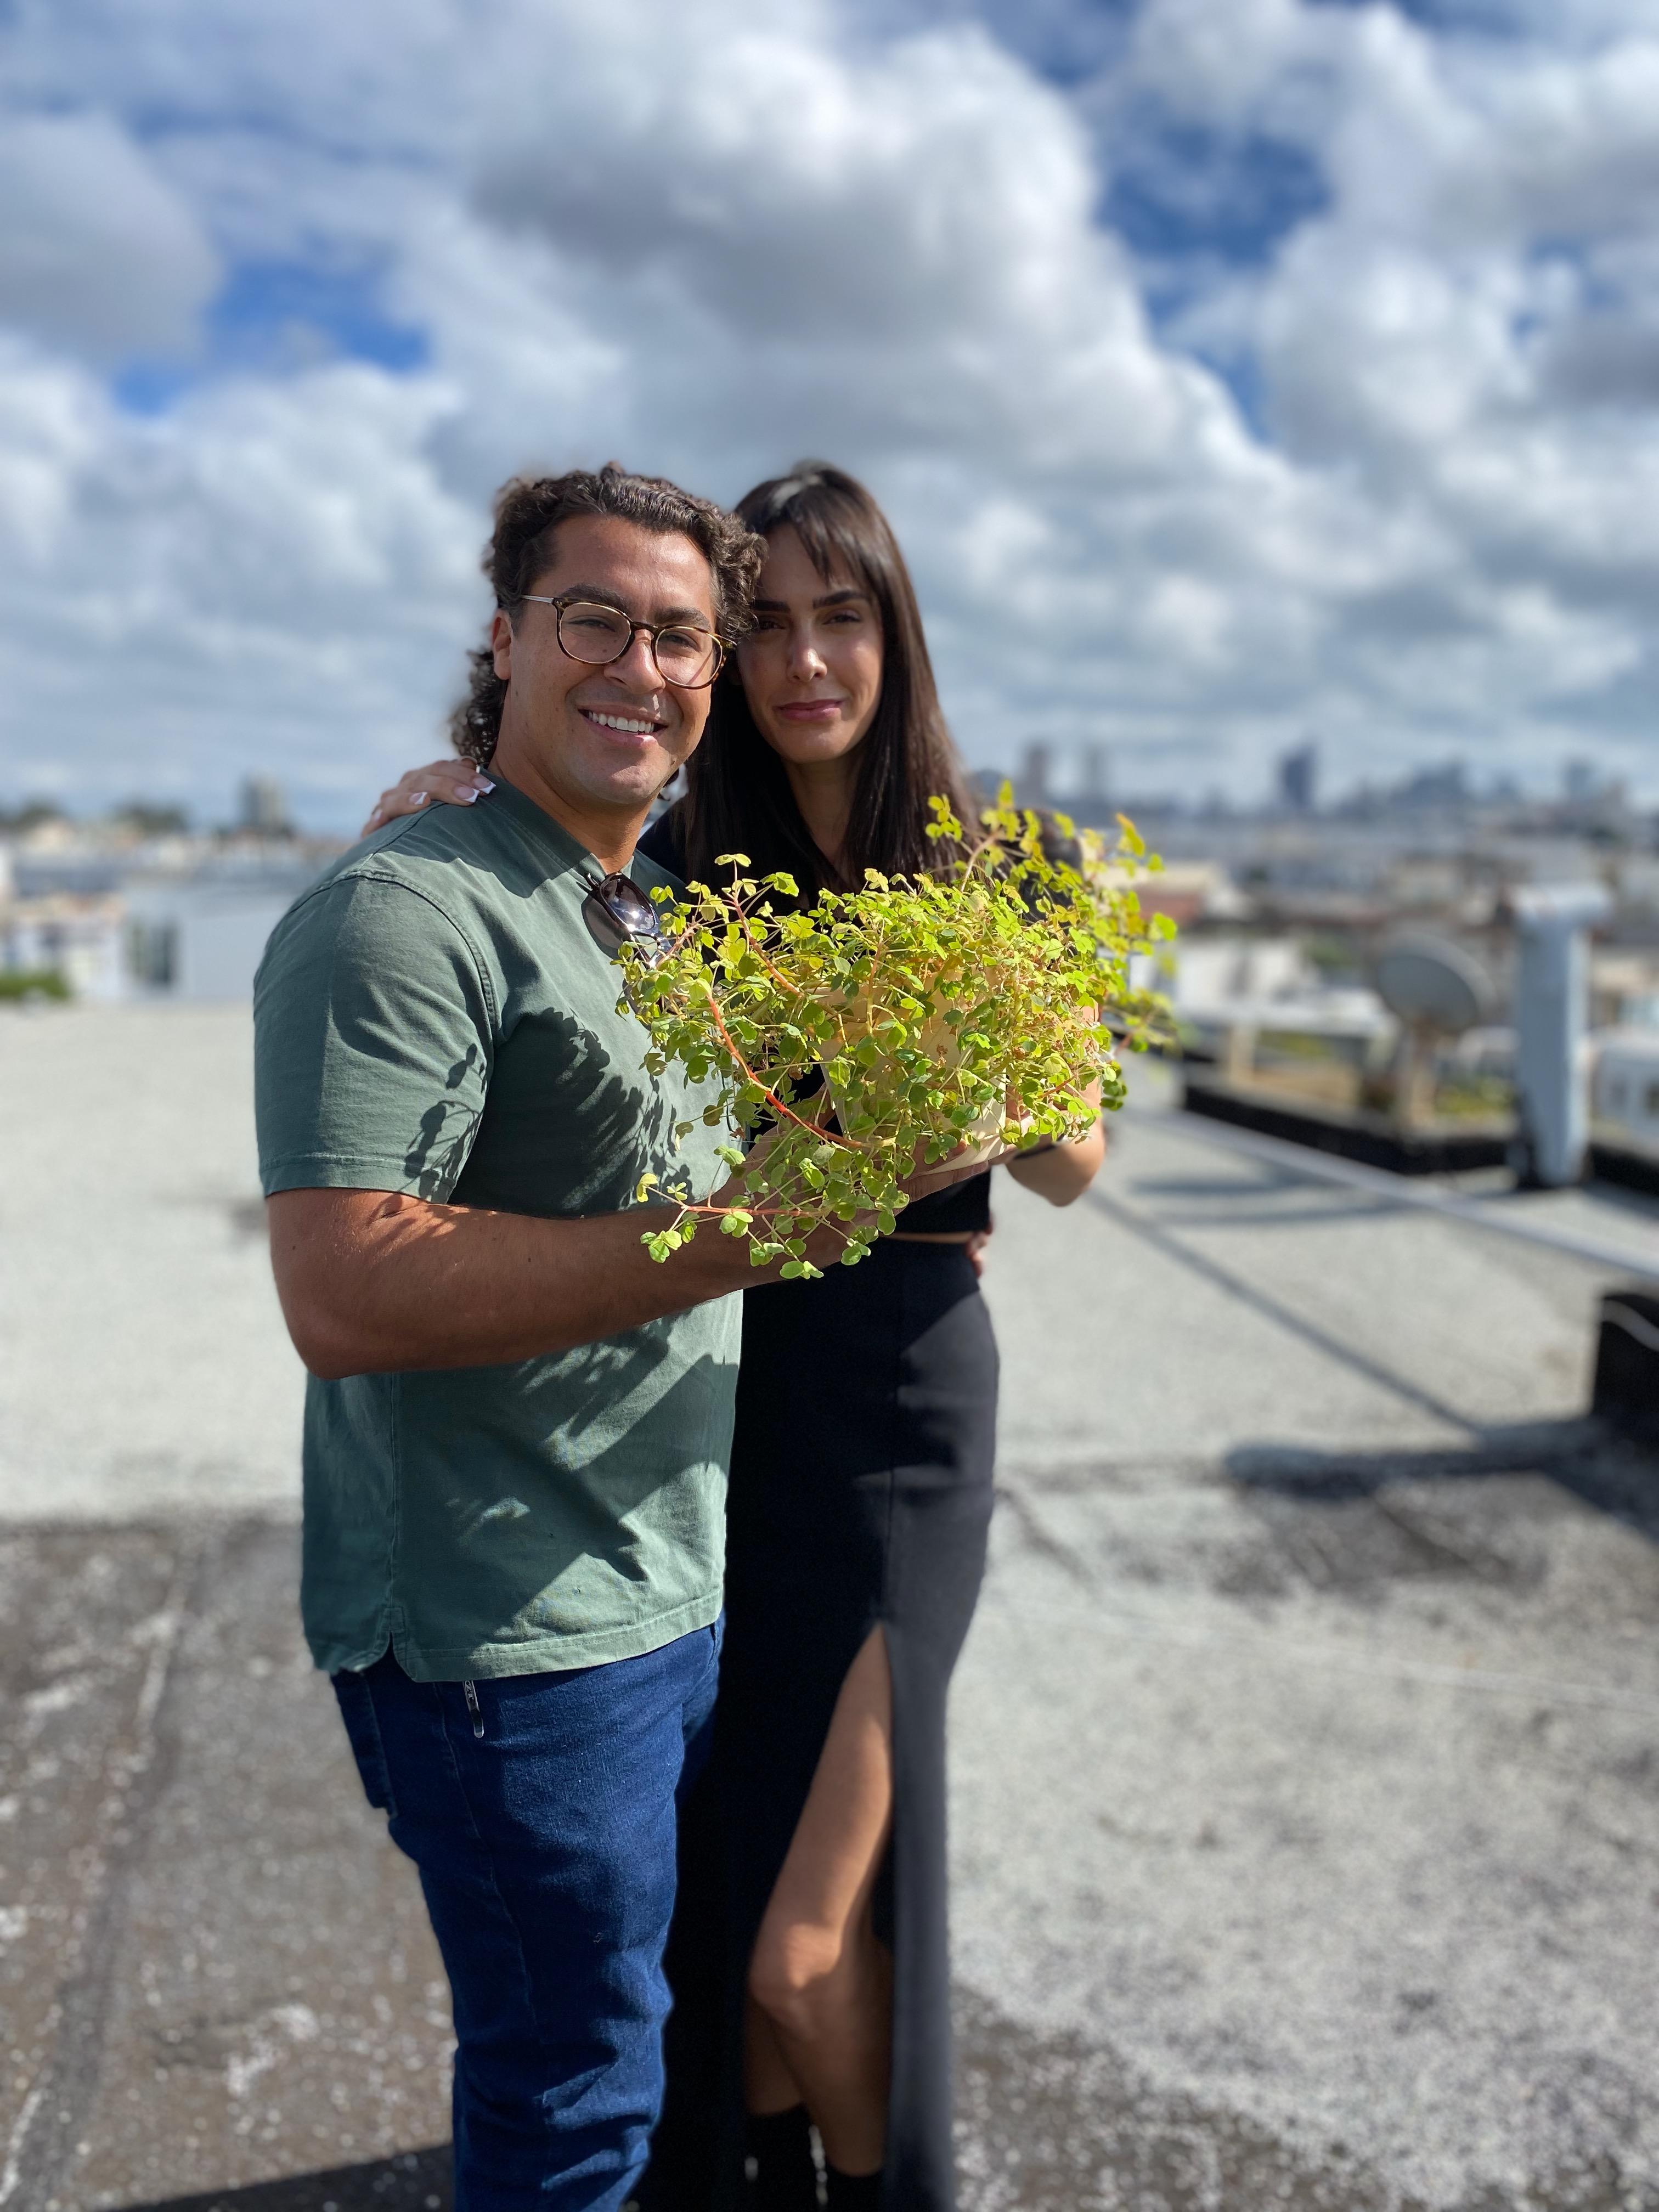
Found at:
[854, 2192]
[782, 2177]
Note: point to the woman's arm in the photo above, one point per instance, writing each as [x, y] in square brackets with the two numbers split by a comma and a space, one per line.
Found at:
[1061, 1173]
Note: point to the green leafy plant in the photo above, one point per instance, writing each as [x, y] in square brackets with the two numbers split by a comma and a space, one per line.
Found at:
[891, 1028]
[26, 983]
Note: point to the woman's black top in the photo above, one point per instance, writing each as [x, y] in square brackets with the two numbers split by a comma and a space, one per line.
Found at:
[966, 1207]
[661, 843]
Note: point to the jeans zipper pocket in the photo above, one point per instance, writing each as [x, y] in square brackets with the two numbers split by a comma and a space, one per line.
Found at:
[475, 1709]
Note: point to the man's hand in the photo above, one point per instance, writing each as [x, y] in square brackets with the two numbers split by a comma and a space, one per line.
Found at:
[825, 1247]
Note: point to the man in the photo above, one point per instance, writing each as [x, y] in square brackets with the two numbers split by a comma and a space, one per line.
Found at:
[517, 1427]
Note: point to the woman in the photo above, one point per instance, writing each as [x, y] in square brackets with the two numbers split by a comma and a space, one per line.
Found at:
[809, 1955]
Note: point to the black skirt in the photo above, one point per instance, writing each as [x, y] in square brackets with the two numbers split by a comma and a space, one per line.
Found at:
[861, 1478]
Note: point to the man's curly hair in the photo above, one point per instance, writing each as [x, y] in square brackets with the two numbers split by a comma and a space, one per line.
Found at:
[528, 510]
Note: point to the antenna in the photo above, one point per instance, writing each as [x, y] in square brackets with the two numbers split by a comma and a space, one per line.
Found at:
[1432, 984]
[1437, 990]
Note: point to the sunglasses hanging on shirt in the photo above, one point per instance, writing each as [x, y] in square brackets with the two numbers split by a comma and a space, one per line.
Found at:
[617, 913]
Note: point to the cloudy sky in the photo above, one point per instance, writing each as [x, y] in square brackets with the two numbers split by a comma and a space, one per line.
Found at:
[1235, 371]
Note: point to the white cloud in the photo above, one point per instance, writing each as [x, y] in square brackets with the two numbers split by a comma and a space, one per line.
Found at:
[1218, 64]
[52, 421]
[891, 247]
[97, 250]
[792, 233]
[263, 574]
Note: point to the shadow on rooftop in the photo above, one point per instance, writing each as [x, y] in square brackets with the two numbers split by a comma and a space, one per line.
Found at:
[414, 2181]
[1582, 1455]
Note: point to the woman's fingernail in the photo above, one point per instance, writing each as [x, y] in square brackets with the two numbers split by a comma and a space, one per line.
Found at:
[417, 798]
[469, 793]
[484, 784]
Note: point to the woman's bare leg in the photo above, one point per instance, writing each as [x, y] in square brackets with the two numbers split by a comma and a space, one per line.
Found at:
[820, 1979]
[767, 2084]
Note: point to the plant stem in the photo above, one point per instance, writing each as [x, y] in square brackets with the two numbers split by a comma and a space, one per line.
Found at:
[771, 1096]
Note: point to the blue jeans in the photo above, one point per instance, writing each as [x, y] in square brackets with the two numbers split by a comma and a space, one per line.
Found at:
[541, 1811]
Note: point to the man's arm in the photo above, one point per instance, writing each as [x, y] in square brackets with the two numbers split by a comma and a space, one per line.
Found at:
[375, 1281]
[372, 1281]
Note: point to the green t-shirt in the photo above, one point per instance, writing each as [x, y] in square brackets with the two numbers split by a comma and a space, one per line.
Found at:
[434, 1016]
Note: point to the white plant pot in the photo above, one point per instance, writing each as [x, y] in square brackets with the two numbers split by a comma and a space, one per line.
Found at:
[983, 1135]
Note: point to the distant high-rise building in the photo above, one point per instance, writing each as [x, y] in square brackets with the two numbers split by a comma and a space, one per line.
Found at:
[1094, 799]
[262, 807]
[1036, 767]
[1580, 780]
[1298, 772]
[1447, 785]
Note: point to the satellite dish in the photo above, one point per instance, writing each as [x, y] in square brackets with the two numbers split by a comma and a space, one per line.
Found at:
[1432, 984]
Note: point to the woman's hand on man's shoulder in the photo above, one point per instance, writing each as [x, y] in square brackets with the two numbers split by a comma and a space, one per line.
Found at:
[450, 783]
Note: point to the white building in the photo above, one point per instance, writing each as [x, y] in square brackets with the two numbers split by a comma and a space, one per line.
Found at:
[1624, 1093]
[180, 917]
[202, 936]
[78, 936]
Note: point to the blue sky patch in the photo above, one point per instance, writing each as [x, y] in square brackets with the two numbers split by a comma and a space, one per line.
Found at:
[1183, 188]
[272, 311]
[277, 316]
[1491, 18]
[150, 387]
[1242, 374]
[1067, 41]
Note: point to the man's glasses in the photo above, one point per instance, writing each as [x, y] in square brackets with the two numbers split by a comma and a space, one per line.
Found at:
[617, 913]
[686, 656]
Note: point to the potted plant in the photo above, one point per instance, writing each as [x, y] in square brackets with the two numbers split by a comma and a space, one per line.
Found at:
[881, 1029]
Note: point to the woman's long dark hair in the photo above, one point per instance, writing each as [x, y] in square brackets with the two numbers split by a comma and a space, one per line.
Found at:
[738, 796]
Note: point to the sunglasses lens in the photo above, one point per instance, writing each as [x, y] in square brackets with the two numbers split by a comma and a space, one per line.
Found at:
[631, 906]
[602, 926]
[618, 913]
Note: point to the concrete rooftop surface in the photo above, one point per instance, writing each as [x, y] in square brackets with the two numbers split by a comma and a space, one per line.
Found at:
[1305, 1749]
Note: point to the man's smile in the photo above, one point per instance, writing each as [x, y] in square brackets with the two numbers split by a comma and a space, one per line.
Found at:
[631, 725]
